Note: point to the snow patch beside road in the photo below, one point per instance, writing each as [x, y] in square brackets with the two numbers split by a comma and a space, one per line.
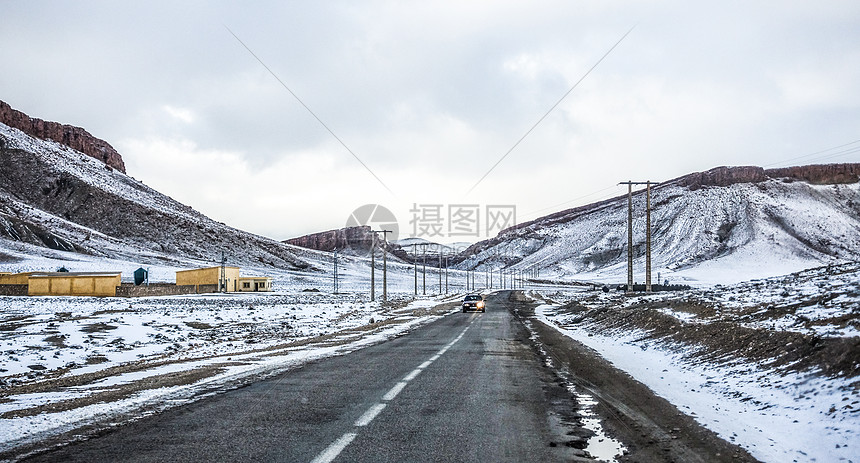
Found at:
[776, 416]
[156, 353]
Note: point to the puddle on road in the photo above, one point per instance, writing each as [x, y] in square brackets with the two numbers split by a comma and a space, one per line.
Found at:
[600, 446]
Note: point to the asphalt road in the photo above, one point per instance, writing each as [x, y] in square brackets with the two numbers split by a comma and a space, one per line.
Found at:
[468, 387]
[491, 386]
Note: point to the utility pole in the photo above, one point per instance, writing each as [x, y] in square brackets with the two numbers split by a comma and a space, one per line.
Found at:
[335, 270]
[647, 233]
[440, 269]
[384, 261]
[629, 236]
[415, 266]
[446, 274]
[222, 280]
[648, 237]
[424, 267]
[373, 266]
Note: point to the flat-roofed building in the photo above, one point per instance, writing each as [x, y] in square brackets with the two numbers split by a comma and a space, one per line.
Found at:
[255, 284]
[207, 277]
[15, 278]
[99, 284]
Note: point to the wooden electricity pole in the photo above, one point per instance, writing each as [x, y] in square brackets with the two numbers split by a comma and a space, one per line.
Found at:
[415, 265]
[373, 267]
[335, 270]
[384, 262]
[446, 274]
[440, 269]
[647, 233]
[648, 237]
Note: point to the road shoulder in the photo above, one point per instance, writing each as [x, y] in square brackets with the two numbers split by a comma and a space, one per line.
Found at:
[651, 428]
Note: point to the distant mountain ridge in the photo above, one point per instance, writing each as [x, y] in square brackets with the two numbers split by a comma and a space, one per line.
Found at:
[55, 197]
[69, 135]
[746, 220]
[748, 217]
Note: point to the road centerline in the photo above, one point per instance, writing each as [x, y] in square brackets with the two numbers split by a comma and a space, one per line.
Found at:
[369, 415]
[392, 393]
[332, 451]
[329, 454]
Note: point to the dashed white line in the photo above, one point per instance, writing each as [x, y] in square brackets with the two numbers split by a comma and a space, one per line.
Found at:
[412, 375]
[391, 394]
[328, 455]
[369, 415]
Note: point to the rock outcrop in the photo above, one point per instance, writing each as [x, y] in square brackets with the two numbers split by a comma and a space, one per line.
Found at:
[722, 176]
[54, 197]
[816, 174]
[358, 238]
[69, 135]
[349, 240]
[819, 174]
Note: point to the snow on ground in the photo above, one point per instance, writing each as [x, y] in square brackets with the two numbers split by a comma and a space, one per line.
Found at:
[700, 237]
[69, 362]
[776, 418]
[776, 413]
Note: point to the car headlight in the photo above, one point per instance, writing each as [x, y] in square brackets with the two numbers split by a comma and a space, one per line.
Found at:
[480, 304]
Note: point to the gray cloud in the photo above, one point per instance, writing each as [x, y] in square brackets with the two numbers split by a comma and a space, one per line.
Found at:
[433, 93]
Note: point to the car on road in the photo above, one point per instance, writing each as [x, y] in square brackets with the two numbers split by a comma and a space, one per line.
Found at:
[474, 302]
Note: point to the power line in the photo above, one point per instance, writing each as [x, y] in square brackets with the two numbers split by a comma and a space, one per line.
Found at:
[570, 201]
[835, 155]
[309, 110]
[842, 153]
[550, 110]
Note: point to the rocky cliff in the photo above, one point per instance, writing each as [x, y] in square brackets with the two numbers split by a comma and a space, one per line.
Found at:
[713, 203]
[357, 238]
[69, 135]
[820, 174]
[55, 197]
[350, 240]
[816, 174]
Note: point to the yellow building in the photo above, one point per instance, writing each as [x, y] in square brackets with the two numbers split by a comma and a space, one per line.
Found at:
[255, 284]
[210, 277]
[15, 278]
[73, 284]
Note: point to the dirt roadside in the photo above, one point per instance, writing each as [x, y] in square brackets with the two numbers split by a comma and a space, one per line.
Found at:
[652, 428]
[103, 423]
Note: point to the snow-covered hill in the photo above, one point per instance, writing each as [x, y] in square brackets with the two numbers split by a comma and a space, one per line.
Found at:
[55, 198]
[60, 207]
[721, 231]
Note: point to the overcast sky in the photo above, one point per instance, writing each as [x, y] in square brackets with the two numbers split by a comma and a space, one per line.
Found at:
[430, 95]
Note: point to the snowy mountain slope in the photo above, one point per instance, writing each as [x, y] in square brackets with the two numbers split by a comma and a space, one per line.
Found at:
[705, 233]
[59, 198]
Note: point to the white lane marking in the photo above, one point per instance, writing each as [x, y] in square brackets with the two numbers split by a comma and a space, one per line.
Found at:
[391, 394]
[369, 415]
[412, 375]
[328, 455]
